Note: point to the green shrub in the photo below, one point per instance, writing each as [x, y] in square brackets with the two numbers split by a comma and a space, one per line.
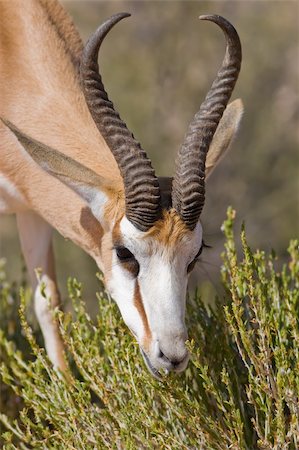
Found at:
[240, 390]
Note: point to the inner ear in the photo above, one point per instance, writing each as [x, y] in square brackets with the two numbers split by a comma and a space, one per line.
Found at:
[90, 186]
[225, 134]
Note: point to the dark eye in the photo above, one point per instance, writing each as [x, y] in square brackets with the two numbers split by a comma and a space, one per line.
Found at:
[124, 254]
[192, 264]
[128, 260]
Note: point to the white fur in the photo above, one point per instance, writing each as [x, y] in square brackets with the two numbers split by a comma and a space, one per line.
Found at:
[163, 281]
[97, 206]
[45, 296]
[36, 241]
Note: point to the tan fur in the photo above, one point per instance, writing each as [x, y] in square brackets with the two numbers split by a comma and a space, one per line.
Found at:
[114, 208]
[169, 230]
[65, 29]
[40, 94]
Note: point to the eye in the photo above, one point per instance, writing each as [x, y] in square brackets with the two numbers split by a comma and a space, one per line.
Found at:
[192, 264]
[128, 260]
[124, 254]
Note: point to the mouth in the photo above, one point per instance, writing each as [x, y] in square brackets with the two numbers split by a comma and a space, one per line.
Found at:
[154, 372]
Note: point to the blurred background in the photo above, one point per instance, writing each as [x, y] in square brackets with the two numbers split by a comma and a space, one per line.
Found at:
[157, 67]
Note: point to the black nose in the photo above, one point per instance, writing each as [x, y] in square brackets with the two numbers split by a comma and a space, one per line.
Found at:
[174, 362]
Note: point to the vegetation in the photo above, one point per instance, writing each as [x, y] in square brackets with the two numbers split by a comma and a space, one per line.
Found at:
[240, 390]
[241, 387]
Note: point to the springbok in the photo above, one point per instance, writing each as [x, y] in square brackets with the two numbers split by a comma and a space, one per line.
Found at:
[69, 162]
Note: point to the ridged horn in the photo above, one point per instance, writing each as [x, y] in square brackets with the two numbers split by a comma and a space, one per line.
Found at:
[142, 193]
[188, 194]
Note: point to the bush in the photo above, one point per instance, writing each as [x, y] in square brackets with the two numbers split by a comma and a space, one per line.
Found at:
[240, 390]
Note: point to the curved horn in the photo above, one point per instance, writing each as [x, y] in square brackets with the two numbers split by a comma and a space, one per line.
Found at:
[188, 194]
[142, 193]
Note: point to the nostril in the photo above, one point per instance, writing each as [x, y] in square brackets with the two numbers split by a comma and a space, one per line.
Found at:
[176, 363]
[173, 362]
[173, 358]
[163, 356]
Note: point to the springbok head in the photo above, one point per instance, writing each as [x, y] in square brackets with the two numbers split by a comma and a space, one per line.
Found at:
[152, 234]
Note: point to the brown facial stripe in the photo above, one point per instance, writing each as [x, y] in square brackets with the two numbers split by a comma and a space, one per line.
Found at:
[116, 234]
[138, 303]
[107, 243]
[132, 267]
[92, 227]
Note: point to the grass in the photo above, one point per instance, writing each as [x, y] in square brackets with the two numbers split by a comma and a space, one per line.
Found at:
[240, 390]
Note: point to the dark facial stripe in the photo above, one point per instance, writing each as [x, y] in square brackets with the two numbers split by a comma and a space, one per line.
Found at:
[138, 303]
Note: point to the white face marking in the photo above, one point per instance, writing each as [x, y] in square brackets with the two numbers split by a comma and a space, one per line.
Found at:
[122, 287]
[162, 280]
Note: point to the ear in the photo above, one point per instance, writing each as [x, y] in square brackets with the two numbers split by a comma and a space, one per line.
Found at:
[85, 182]
[225, 133]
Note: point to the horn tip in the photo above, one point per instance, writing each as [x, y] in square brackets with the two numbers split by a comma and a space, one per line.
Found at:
[219, 20]
[206, 16]
[213, 18]
[123, 15]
